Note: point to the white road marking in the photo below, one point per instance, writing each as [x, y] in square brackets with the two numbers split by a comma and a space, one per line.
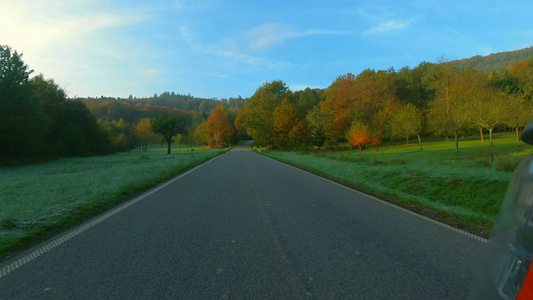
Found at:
[51, 245]
[471, 235]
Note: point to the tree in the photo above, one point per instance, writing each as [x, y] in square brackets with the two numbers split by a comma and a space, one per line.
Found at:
[257, 116]
[407, 121]
[168, 127]
[143, 134]
[375, 101]
[285, 119]
[22, 123]
[339, 105]
[200, 135]
[359, 135]
[219, 129]
[318, 126]
[518, 112]
[450, 108]
[178, 139]
[304, 101]
[488, 108]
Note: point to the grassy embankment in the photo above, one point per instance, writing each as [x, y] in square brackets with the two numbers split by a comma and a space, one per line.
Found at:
[463, 189]
[39, 200]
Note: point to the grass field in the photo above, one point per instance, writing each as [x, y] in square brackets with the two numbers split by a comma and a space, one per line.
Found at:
[38, 200]
[464, 189]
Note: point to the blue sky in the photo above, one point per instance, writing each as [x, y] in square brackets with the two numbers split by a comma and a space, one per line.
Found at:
[222, 49]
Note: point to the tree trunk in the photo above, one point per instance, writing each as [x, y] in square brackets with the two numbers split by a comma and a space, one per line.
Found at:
[517, 133]
[419, 141]
[168, 147]
[481, 134]
[456, 141]
[490, 136]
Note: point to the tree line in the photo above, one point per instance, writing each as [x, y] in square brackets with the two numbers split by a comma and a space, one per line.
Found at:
[432, 99]
[39, 122]
[37, 119]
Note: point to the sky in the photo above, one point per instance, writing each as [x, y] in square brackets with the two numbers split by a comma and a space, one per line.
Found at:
[221, 49]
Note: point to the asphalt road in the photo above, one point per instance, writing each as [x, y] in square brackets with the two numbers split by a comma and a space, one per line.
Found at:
[244, 226]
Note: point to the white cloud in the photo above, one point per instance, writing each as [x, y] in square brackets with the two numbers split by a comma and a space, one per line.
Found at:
[70, 41]
[270, 34]
[227, 48]
[386, 27]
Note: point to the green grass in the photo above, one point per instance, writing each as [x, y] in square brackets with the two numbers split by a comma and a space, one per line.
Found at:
[39, 200]
[465, 188]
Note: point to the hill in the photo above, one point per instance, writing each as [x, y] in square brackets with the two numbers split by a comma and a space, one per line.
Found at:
[495, 62]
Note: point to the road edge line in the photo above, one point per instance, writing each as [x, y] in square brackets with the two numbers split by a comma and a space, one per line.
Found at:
[465, 233]
[10, 267]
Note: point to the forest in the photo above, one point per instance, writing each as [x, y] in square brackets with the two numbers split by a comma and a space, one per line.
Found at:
[437, 100]
[444, 100]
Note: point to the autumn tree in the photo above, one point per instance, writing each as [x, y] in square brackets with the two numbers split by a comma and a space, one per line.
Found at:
[359, 135]
[257, 114]
[523, 72]
[339, 105]
[375, 101]
[143, 134]
[168, 127]
[219, 129]
[406, 122]
[285, 120]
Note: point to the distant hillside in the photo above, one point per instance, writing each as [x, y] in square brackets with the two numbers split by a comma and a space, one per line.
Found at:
[495, 62]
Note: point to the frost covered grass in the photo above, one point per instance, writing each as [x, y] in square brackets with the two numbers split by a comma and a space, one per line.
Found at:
[38, 200]
[465, 187]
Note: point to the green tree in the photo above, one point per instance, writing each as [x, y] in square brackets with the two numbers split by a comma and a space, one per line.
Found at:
[318, 125]
[21, 120]
[168, 127]
[518, 112]
[200, 135]
[178, 139]
[406, 122]
[143, 134]
[450, 108]
[257, 115]
[487, 106]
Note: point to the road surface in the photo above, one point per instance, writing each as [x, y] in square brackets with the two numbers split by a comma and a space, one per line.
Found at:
[243, 226]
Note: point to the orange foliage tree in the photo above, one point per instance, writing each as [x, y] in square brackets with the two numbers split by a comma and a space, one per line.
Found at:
[339, 105]
[218, 128]
[360, 135]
